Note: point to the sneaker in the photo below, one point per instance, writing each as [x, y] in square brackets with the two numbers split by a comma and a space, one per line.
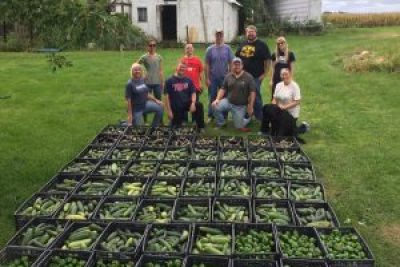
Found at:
[244, 129]
[306, 126]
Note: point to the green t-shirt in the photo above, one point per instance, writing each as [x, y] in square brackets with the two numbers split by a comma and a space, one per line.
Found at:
[238, 89]
[152, 65]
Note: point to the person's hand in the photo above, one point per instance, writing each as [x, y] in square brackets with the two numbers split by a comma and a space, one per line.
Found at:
[170, 115]
[208, 82]
[215, 103]
[130, 120]
[261, 77]
[270, 83]
[281, 106]
[159, 103]
[250, 110]
[193, 107]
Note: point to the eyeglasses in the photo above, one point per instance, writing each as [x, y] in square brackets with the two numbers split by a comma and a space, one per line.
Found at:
[152, 45]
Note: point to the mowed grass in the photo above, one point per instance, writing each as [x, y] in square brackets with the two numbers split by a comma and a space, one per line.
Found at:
[354, 141]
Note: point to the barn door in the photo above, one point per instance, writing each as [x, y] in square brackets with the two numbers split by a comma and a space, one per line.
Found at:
[169, 23]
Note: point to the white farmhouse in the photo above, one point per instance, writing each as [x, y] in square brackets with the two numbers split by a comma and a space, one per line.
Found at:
[196, 20]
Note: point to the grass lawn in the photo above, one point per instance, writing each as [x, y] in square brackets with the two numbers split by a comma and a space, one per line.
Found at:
[354, 142]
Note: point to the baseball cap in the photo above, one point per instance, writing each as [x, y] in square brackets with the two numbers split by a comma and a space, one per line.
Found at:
[219, 30]
[237, 60]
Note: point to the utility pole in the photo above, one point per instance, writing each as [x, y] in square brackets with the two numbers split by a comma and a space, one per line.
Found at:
[204, 21]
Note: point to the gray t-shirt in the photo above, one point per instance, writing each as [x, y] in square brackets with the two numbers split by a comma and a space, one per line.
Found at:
[137, 92]
[153, 67]
[218, 59]
[286, 93]
[239, 88]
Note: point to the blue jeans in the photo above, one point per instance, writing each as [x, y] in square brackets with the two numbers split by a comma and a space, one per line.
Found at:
[155, 89]
[216, 83]
[150, 107]
[258, 103]
[238, 113]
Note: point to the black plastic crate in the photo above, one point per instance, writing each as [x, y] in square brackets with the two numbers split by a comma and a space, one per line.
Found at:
[100, 214]
[142, 168]
[10, 254]
[115, 227]
[292, 155]
[225, 228]
[270, 189]
[165, 188]
[18, 240]
[56, 185]
[60, 242]
[274, 218]
[232, 202]
[285, 142]
[159, 131]
[235, 187]
[198, 169]
[316, 192]
[174, 169]
[108, 140]
[178, 153]
[246, 228]
[262, 154]
[298, 206]
[21, 217]
[165, 215]
[123, 153]
[257, 141]
[184, 238]
[111, 167]
[83, 256]
[234, 154]
[137, 130]
[91, 186]
[182, 203]
[254, 263]
[231, 142]
[160, 260]
[203, 153]
[190, 186]
[290, 169]
[205, 141]
[303, 263]
[306, 231]
[184, 130]
[269, 170]
[181, 141]
[207, 261]
[160, 142]
[147, 153]
[225, 169]
[369, 262]
[138, 186]
[67, 209]
[94, 152]
[113, 129]
[134, 141]
[80, 167]
[109, 260]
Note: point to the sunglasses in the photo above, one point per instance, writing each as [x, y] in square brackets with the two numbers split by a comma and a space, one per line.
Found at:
[152, 45]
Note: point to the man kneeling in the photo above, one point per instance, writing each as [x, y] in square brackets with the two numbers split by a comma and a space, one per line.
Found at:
[239, 91]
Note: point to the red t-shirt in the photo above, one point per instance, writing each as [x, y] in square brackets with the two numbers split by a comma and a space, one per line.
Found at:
[194, 68]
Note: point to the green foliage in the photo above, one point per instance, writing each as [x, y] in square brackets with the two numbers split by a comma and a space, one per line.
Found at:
[57, 61]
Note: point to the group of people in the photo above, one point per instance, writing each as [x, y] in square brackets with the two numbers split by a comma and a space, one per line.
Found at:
[233, 82]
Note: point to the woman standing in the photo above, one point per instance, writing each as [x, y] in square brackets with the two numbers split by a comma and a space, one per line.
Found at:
[139, 100]
[282, 58]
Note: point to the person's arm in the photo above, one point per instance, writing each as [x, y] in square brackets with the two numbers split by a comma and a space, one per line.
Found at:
[152, 98]
[130, 108]
[220, 95]
[273, 101]
[272, 72]
[292, 68]
[289, 105]
[267, 64]
[193, 104]
[207, 74]
[161, 75]
[168, 107]
[250, 105]
[201, 69]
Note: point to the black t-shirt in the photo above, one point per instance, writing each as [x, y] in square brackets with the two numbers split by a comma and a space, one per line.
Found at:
[253, 56]
[137, 92]
[281, 63]
[179, 91]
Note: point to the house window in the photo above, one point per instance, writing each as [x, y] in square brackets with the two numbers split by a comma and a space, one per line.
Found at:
[142, 14]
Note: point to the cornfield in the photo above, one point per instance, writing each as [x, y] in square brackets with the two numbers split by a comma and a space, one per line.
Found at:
[348, 20]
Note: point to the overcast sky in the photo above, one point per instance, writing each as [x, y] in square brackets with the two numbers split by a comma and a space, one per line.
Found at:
[361, 5]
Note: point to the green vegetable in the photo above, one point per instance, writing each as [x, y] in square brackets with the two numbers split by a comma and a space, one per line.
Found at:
[201, 171]
[181, 141]
[231, 170]
[205, 142]
[111, 168]
[271, 190]
[199, 187]
[82, 238]
[172, 169]
[142, 168]
[262, 154]
[114, 130]
[234, 187]
[193, 213]
[231, 212]
[78, 209]
[158, 142]
[66, 261]
[209, 154]
[344, 246]
[65, 185]
[164, 189]
[122, 154]
[164, 263]
[40, 236]
[131, 140]
[315, 217]
[271, 213]
[298, 173]
[121, 240]
[80, 167]
[158, 213]
[106, 140]
[42, 206]
[233, 141]
[306, 192]
[234, 155]
[122, 210]
[23, 261]
[151, 155]
[284, 144]
[164, 240]
[254, 242]
[114, 263]
[292, 156]
[130, 189]
[95, 187]
[259, 142]
[95, 153]
[177, 154]
[266, 172]
[296, 245]
[212, 241]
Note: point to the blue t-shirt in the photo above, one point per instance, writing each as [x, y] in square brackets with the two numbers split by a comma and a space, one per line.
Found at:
[137, 91]
[218, 59]
[179, 91]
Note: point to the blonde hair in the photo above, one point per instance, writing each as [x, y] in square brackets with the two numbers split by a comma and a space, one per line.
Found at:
[135, 65]
[251, 27]
[286, 50]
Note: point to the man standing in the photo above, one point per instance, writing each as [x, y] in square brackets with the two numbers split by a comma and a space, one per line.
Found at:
[181, 98]
[218, 60]
[256, 59]
[240, 91]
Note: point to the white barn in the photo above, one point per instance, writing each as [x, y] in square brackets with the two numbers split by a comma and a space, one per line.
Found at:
[196, 20]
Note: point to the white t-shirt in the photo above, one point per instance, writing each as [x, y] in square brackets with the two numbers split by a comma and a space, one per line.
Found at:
[286, 93]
